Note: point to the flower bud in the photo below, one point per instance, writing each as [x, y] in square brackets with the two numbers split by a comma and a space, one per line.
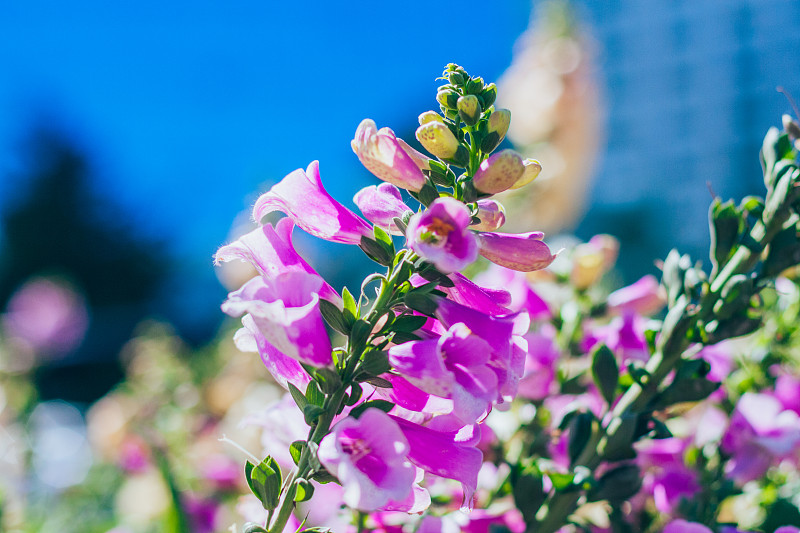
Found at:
[437, 138]
[499, 172]
[496, 129]
[448, 98]
[488, 95]
[469, 109]
[430, 116]
[474, 85]
[456, 78]
[532, 169]
[491, 214]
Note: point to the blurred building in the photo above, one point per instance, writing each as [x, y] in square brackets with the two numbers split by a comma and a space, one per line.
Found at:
[690, 90]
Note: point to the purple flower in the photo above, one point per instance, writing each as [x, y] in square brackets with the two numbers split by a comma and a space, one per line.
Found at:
[624, 335]
[286, 312]
[666, 476]
[382, 154]
[540, 373]
[48, 316]
[523, 252]
[468, 293]
[381, 204]
[761, 432]
[503, 333]
[499, 172]
[303, 198]
[682, 526]
[523, 297]
[449, 454]
[453, 366]
[645, 297]
[369, 456]
[787, 391]
[271, 251]
[440, 234]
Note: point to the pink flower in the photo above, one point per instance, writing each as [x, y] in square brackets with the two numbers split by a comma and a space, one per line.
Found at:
[516, 283]
[682, 526]
[369, 456]
[524, 252]
[645, 297]
[381, 204]
[270, 250]
[666, 476]
[470, 294]
[761, 433]
[540, 372]
[491, 214]
[303, 198]
[440, 234]
[286, 312]
[453, 366]
[381, 152]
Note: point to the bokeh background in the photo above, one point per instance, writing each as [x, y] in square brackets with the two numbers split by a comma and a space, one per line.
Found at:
[134, 136]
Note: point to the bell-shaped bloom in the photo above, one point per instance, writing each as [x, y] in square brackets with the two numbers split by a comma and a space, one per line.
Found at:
[270, 250]
[468, 293]
[382, 154]
[524, 252]
[645, 297]
[369, 456]
[523, 297]
[454, 366]
[540, 368]
[532, 170]
[282, 367]
[448, 454]
[381, 204]
[491, 214]
[286, 311]
[761, 433]
[437, 139]
[303, 198]
[440, 234]
[499, 172]
[503, 333]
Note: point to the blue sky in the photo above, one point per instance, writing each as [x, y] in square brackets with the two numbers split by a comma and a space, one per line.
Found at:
[188, 109]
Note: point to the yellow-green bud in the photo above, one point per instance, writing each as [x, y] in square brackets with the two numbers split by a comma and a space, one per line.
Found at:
[469, 109]
[456, 78]
[496, 129]
[532, 170]
[488, 95]
[430, 116]
[474, 85]
[448, 98]
[437, 139]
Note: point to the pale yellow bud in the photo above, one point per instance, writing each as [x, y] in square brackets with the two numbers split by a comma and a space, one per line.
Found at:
[532, 170]
[437, 138]
[430, 116]
[588, 265]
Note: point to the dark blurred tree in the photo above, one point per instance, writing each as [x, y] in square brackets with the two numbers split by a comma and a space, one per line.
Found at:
[58, 224]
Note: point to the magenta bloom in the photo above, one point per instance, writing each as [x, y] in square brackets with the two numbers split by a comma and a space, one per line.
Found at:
[645, 297]
[624, 335]
[381, 204]
[468, 293]
[270, 250]
[449, 454]
[368, 455]
[303, 198]
[282, 367]
[454, 366]
[286, 312]
[761, 433]
[666, 476]
[383, 155]
[491, 214]
[524, 252]
[440, 234]
[516, 283]
[540, 371]
[682, 526]
[787, 391]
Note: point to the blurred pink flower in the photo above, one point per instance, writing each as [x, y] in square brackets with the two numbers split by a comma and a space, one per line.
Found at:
[645, 297]
[48, 315]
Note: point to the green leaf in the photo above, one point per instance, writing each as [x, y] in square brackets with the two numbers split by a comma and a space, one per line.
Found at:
[311, 413]
[529, 495]
[409, 323]
[421, 301]
[298, 397]
[617, 485]
[296, 450]
[251, 527]
[401, 337]
[561, 481]
[349, 303]
[379, 383]
[328, 380]
[605, 372]
[384, 239]
[375, 363]
[304, 492]
[383, 405]
[359, 335]
[427, 194]
[376, 251]
[314, 395]
[334, 317]
[580, 431]
[355, 394]
[265, 481]
[619, 446]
